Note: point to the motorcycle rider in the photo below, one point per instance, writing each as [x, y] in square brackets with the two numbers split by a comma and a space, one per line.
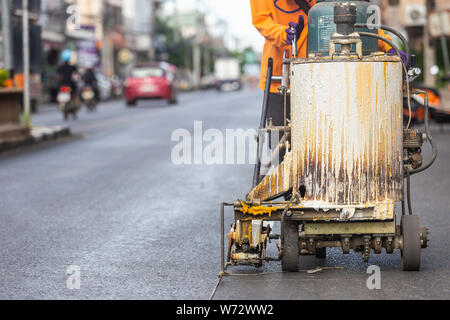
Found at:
[90, 80]
[67, 73]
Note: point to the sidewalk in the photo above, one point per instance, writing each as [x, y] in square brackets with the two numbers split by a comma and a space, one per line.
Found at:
[39, 133]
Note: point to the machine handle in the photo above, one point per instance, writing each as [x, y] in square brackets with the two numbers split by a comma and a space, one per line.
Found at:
[262, 124]
[294, 44]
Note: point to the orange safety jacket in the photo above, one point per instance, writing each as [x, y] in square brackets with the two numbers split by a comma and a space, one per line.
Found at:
[271, 18]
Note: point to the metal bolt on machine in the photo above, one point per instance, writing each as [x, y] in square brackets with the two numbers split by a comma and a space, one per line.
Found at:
[348, 156]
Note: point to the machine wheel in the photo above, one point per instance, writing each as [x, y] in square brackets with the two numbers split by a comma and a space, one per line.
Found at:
[172, 101]
[410, 227]
[91, 106]
[131, 103]
[289, 260]
[321, 253]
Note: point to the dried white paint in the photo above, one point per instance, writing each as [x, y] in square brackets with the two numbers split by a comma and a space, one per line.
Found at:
[347, 130]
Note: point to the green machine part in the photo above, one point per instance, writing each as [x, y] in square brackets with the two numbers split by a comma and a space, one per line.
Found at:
[321, 25]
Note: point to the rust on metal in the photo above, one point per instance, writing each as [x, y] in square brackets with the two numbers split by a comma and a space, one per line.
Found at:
[347, 130]
[257, 210]
[277, 182]
[314, 211]
[347, 133]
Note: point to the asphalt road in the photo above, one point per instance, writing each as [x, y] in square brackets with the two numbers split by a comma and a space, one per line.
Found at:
[110, 201]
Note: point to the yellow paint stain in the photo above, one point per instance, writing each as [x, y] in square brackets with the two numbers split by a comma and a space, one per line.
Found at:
[257, 210]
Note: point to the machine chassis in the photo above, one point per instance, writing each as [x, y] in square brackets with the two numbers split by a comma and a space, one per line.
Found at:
[368, 228]
[309, 227]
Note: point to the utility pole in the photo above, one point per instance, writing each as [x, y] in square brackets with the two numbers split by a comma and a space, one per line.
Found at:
[196, 51]
[196, 56]
[107, 56]
[222, 27]
[152, 52]
[176, 22]
[26, 63]
[8, 58]
[444, 44]
[207, 60]
[429, 50]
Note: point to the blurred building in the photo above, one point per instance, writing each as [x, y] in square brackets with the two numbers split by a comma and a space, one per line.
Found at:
[84, 31]
[52, 21]
[111, 35]
[93, 29]
[420, 22]
[192, 27]
[138, 27]
[114, 39]
[411, 15]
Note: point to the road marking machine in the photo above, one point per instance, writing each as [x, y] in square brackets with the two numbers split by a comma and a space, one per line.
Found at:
[348, 158]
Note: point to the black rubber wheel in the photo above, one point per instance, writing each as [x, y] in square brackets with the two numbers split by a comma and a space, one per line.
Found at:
[131, 103]
[173, 99]
[289, 260]
[66, 113]
[321, 253]
[91, 106]
[411, 243]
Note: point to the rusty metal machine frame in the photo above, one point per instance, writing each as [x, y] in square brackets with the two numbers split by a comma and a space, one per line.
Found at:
[316, 224]
[342, 223]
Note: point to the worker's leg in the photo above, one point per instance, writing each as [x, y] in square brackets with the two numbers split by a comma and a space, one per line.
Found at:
[275, 110]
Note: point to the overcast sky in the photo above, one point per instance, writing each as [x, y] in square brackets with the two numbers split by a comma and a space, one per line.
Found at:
[236, 13]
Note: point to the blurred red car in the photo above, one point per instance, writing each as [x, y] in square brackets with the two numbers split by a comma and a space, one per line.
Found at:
[151, 81]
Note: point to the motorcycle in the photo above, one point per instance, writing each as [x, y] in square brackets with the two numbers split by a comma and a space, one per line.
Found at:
[66, 102]
[88, 97]
[117, 87]
[437, 112]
